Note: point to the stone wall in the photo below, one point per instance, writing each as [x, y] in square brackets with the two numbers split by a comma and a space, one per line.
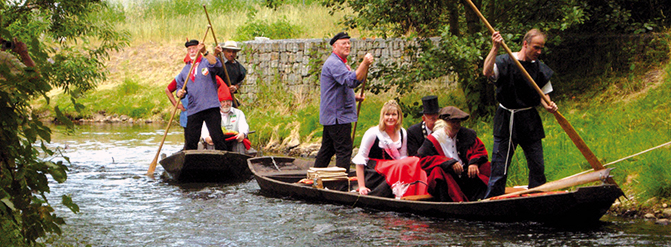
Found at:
[297, 63]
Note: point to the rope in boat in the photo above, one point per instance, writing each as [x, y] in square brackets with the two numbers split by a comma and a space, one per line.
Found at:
[625, 158]
[273, 159]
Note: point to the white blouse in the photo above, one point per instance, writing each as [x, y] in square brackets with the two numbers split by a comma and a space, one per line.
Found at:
[395, 149]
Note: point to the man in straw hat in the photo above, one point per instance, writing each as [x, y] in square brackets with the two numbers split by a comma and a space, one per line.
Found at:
[337, 109]
[201, 90]
[517, 121]
[461, 157]
[418, 132]
[236, 72]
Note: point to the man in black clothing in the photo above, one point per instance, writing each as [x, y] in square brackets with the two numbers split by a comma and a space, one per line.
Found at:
[418, 132]
[236, 72]
[517, 121]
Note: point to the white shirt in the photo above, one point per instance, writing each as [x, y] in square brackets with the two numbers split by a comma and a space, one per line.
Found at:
[395, 149]
[447, 143]
[234, 120]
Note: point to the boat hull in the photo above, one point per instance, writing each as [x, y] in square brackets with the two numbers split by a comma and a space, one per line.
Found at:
[207, 166]
[586, 204]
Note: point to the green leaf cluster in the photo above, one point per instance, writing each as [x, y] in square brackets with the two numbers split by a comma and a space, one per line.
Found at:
[280, 29]
[463, 41]
[69, 47]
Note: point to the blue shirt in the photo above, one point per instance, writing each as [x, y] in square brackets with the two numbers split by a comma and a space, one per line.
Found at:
[201, 93]
[182, 116]
[338, 104]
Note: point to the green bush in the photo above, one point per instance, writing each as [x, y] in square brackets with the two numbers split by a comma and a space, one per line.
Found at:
[280, 29]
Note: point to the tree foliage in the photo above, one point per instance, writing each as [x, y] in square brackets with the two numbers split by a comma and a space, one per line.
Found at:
[68, 47]
[457, 26]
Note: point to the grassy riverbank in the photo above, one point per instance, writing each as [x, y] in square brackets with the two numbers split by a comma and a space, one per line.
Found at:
[630, 114]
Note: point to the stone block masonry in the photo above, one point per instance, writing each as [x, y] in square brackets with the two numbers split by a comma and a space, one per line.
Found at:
[297, 63]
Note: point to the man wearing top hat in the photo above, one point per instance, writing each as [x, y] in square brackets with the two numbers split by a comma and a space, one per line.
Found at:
[236, 72]
[337, 108]
[418, 132]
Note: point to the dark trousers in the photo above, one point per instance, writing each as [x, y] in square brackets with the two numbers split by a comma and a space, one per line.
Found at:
[185, 138]
[194, 125]
[533, 151]
[336, 140]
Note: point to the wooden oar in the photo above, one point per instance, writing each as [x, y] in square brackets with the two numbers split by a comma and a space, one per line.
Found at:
[153, 164]
[358, 107]
[577, 140]
[228, 80]
[565, 183]
[622, 159]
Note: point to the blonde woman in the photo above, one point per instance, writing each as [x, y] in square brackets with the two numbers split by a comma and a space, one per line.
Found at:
[383, 167]
[455, 159]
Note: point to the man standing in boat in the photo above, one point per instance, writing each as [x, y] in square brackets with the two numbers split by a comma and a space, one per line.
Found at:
[517, 121]
[418, 132]
[337, 109]
[201, 91]
[236, 72]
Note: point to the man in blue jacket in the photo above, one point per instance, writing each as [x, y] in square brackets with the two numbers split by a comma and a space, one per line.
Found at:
[201, 90]
[337, 109]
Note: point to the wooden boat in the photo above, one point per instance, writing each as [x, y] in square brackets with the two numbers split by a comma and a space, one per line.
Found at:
[207, 166]
[279, 176]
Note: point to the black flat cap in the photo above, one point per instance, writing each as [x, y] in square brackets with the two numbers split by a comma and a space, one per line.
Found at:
[340, 35]
[191, 42]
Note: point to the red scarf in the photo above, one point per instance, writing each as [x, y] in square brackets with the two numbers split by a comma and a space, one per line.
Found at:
[188, 60]
[344, 61]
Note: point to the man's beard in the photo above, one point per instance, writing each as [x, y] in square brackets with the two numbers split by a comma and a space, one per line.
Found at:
[193, 57]
[226, 109]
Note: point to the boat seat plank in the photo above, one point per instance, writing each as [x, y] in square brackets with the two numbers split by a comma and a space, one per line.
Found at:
[417, 198]
[284, 173]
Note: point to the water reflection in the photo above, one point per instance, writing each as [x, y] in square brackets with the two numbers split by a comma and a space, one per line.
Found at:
[122, 207]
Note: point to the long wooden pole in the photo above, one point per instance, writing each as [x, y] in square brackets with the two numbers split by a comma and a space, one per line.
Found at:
[565, 182]
[358, 107]
[577, 140]
[228, 80]
[622, 159]
[153, 164]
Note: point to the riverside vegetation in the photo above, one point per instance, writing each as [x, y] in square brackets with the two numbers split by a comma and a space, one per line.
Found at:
[616, 111]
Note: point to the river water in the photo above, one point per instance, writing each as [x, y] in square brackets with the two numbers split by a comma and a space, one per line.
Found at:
[120, 206]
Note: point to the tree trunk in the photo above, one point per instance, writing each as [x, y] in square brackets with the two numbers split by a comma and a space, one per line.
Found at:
[472, 19]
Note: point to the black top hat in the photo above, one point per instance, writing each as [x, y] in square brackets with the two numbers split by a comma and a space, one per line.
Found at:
[452, 113]
[340, 35]
[430, 104]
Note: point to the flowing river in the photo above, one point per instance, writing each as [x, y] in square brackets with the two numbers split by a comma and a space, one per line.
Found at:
[120, 206]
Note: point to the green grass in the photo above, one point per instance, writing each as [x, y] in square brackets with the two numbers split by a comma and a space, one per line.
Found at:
[614, 117]
[129, 98]
[175, 20]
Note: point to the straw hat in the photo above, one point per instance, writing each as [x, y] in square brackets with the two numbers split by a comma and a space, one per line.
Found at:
[231, 45]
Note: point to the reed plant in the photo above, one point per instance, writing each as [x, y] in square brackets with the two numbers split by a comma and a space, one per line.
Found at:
[176, 20]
